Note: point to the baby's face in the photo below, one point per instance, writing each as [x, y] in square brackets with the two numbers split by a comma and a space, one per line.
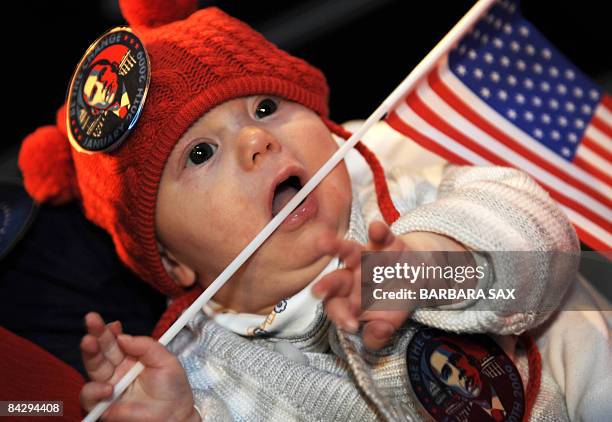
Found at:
[228, 175]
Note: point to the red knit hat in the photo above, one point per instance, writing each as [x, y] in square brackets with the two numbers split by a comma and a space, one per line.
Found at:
[198, 61]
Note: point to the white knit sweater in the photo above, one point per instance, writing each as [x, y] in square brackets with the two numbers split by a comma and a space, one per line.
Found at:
[484, 208]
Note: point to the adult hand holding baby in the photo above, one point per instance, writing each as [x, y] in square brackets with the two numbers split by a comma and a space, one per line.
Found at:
[160, 393]
[341, 289]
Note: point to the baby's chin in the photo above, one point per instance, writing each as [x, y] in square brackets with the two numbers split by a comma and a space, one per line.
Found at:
[284, 284]
[261, 283]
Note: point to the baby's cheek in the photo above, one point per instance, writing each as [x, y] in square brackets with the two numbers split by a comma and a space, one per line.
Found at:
[341, 183]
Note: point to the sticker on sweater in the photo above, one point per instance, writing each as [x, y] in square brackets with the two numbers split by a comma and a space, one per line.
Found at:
[107, 91]
[464, 378]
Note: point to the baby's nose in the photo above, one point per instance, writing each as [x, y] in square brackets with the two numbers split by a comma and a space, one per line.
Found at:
[254, 144]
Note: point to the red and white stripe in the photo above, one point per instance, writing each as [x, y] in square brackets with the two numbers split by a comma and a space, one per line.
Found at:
[446, 117]
[594, 154]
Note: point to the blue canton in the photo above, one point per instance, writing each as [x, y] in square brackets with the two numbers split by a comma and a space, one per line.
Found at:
[517, 72]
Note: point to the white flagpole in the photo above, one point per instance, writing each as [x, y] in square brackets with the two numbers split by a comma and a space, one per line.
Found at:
[422, 69]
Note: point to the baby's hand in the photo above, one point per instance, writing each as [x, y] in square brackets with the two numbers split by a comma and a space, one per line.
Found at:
[160, 393]
[341, 288]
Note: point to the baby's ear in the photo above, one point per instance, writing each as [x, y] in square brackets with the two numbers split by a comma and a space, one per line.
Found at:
[179, 272]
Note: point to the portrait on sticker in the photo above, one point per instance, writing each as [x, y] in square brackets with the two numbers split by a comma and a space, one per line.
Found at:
[107, 91]
[464, 378]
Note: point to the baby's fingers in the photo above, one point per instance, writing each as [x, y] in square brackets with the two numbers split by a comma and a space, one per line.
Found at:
[99, 350]
[338, 283]
[94, 392]
[381, 237]
[98, 367]
[348, 251]
[338, 310]
[106, 336]
[380, 326]
[115, 327]
[148, 351]
[377, 334]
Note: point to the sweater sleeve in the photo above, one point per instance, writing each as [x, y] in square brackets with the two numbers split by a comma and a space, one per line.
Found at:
[576, 349]
[488, 210]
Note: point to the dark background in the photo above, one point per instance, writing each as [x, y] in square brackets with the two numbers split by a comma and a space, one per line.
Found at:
[349, 40]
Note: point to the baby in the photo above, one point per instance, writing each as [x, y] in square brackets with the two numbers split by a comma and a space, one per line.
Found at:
[232, 128]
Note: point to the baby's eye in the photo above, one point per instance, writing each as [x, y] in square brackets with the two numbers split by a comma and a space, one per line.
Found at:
[201, 153]
[265, 107]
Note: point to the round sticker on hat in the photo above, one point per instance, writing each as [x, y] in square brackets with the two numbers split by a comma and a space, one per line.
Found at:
[107, 91]
[464, 378]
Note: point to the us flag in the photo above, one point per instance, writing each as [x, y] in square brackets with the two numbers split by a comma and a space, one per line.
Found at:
[505, 96]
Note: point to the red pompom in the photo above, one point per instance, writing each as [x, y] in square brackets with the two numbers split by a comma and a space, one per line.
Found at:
[152, 13]
[46, 163]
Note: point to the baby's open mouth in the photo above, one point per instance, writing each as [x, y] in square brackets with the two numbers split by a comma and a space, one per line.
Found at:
[283, 193]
